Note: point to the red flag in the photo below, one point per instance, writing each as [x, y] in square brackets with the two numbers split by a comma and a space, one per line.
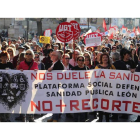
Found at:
[111, 36]
[104, 25]
[138, 29]
[134, 29]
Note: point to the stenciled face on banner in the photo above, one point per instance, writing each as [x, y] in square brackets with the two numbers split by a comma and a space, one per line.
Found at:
[12, 89]
[64, 32]
[77, 29]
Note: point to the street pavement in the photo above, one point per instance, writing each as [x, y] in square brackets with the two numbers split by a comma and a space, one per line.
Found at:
[45, 117]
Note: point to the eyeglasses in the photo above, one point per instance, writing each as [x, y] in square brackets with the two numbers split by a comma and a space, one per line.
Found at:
[37, 57]
[28, 54]
[9, 51]
[67, 58]
[81, 60]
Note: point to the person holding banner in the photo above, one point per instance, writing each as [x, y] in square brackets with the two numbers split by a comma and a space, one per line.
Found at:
[56, 65]
[130, 64]
[5, 65]
[80, 66]
[65, 60]
[104, 64]
[28, 64]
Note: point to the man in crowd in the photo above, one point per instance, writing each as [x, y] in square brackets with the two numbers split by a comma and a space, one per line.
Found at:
[57, 65]
[107, 44]
[65, 60]
[118, 45]
[73, 61]
[119, 65]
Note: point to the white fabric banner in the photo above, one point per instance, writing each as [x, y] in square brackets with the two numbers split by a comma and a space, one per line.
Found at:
[69, 91]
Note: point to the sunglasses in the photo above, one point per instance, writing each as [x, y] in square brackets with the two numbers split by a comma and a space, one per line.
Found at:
[67, 58]
[81, 60]
[28, 54]
[9, 51]
[37, 57]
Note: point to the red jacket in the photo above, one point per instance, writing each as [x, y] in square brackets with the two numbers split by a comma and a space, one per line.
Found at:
[15, 60]
[23, 65]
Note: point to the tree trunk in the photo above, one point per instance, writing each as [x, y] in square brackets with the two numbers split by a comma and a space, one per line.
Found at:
[39, 27]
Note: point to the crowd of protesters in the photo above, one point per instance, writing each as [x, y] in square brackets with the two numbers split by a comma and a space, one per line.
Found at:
[120, 53]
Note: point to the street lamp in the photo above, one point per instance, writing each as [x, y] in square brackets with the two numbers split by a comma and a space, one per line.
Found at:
[27, 19]
[25, 28]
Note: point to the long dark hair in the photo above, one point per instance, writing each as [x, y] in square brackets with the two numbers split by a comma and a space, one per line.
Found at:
[131, 52]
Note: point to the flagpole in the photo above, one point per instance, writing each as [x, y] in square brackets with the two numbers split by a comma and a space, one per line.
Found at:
[74, 51]
[64, 44]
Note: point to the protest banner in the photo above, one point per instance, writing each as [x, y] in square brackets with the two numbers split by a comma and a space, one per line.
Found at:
[64, 32]
[44, 39]
[113, 91]
[124, 31]
[106, 33]
[132, 34]
[112, 30]
[77, 29]
[93, 39]
[48, 32]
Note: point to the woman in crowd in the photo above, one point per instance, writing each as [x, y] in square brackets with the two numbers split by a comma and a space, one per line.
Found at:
[47, 60]
[41, 66]
[87, 54]
[20, 58]
[104, 64]
[4, 46]
[88, 63]
[5, 64]
[28, 64]
[80, 66]
[11, 53]
[13, 46]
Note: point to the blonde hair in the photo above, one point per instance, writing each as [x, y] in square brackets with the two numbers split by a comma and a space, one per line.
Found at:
[10, 48]
[5, 43]
[31, 51]
[13, 46]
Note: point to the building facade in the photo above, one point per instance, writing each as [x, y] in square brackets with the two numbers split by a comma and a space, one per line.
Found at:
[17, 28]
